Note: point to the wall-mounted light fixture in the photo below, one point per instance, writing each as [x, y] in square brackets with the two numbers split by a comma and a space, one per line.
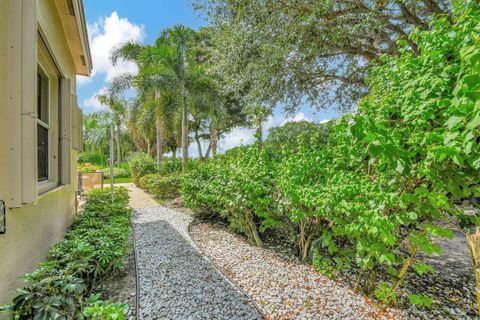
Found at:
[3, 217]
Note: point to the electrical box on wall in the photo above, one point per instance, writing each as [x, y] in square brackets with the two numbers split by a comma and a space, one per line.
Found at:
[3, 217]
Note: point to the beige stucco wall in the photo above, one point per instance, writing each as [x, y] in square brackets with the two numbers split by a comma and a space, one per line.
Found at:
[34, 227]
[31, 231]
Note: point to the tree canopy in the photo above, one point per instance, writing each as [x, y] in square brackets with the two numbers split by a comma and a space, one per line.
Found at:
[292, 51]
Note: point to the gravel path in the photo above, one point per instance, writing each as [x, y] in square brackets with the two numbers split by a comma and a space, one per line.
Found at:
[282, 287]
[176, 281]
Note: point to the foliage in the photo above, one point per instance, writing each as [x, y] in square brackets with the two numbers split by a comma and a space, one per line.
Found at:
[163, 186]
[93, 249]
[236, 187]
[322, 264]
[117, 173]
[96, 134]
[93, 157]
[104, 310]
[141, 164]
[291, 50]
[374, 193]
[170, 166]
[88, 167]
[293, 134]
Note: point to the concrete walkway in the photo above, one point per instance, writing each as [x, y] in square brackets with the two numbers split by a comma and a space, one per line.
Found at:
[176, 281]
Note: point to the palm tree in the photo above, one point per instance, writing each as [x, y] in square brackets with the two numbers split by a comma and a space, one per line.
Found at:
[118, 108]
[96, 131]
[169, 70]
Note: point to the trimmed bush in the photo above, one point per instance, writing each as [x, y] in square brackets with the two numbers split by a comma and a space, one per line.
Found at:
[141, 165]
[236, 187]
[93, 249]
[374, 193]
[162, 186]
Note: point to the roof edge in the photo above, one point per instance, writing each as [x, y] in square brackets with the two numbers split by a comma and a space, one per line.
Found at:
[83, 31]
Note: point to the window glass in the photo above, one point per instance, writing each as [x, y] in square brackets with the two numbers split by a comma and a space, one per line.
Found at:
[42, 96]
[43, 128]
[42, 149]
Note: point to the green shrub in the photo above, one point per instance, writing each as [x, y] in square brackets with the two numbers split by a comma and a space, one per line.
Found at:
[93, 157]
[104, 310]
[117, 173]
[162, 186]
[141, 165]
[168, 166]
[88, 167]
[237, 187]
[374, 192]
[93, 250]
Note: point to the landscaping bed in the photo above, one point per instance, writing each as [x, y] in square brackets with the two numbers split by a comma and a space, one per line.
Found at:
[122, 287]
[286, 289]
[281, 286]
[68, 284]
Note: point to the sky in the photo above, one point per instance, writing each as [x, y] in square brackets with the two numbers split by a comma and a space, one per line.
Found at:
[113, 22]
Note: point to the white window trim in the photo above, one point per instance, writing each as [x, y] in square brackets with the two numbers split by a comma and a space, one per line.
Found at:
[53, 180]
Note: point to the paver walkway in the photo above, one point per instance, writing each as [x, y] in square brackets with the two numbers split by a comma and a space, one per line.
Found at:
[176, 281]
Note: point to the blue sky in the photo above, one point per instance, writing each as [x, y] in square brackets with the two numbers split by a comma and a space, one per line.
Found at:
[112, 22]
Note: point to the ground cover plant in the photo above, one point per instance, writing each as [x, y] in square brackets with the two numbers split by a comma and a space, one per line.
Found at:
[374, 193]
[64, 286]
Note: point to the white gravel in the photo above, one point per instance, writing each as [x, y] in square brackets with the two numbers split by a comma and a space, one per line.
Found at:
[176, 281]
[282, 287]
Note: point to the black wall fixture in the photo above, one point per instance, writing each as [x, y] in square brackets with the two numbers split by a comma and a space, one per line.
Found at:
[3, 217]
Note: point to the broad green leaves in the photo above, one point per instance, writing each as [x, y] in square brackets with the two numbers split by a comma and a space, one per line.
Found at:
[377, 189]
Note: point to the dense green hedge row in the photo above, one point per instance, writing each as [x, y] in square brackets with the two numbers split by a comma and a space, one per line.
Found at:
[163, 186]
[142, 164]
[374, 192]
[63, 287]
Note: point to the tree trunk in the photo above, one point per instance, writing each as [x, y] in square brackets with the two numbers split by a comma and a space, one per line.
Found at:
[117, 137]
[199, 144]
[159, 140]
[174, 153]
[259, 134]
[184, 134]
[148, 147]
[207, 153]
[213, 139]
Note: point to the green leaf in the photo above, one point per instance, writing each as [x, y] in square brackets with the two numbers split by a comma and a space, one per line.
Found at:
[420, 300]
[453, 121]
[475, 122]
[421, 268]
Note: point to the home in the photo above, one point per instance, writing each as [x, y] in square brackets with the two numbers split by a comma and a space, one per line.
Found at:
[43, 47]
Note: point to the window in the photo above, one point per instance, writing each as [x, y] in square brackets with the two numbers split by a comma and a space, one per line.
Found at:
[48, 120]
[43, 125]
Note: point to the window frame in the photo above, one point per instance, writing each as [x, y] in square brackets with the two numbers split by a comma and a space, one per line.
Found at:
[47, 67]
[41, 72]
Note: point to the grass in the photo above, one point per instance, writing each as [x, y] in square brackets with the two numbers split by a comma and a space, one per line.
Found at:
[118, 180]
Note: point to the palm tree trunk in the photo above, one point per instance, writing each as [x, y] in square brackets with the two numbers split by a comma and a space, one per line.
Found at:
[213, 139]
[117, 137]
[159, 140]
[148, 146]
[184, 134]
[259, 134]
[207, 153]
[199, 144]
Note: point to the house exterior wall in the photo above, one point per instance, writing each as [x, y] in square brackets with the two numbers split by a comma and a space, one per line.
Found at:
[32, 226]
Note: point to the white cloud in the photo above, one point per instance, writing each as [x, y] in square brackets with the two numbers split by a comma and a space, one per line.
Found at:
[296, 118]
[105, 35]
[237, 137]
[93, 102]
[324, 121]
